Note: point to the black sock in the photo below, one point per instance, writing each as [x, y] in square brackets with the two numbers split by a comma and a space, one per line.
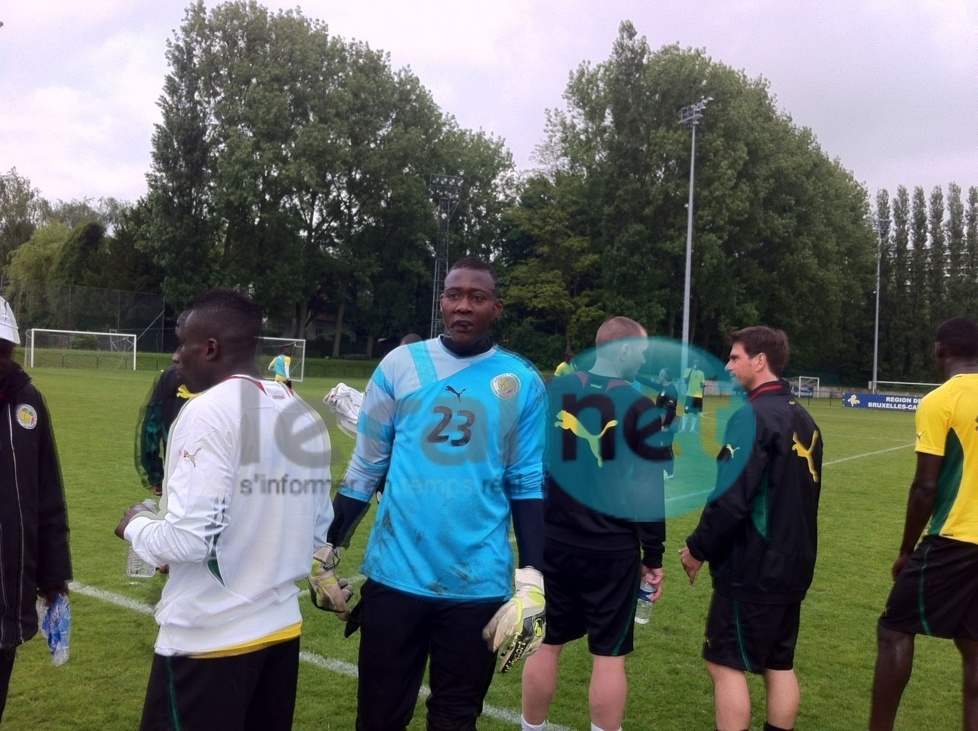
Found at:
[772, 727]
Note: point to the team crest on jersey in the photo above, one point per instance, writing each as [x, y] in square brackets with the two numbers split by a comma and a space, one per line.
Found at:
[506, 385]
[26, 416]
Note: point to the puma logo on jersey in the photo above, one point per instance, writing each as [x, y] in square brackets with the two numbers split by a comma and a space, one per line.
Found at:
[184, 392]
[566, 420]
[191, 456]
[806, 452]
[458, 394]
[732, 450]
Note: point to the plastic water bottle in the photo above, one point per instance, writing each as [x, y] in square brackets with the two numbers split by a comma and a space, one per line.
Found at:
[136, 567]
[643, 603]
[55, 625]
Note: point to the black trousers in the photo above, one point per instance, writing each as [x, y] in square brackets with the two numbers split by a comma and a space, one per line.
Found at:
[250, 692]
[399, 633]
[7, 657]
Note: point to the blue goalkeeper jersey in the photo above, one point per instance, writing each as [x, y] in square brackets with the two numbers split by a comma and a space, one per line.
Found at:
[458, 439]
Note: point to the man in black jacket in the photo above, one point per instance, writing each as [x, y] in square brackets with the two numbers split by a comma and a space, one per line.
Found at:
[759, 533]
[34, 558]
[604, 521]
[168, 396]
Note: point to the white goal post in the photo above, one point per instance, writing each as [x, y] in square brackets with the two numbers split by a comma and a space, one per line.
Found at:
[80, 349]
[269, 348]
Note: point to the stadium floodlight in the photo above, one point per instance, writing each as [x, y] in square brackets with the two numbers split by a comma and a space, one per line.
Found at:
[690, 117]
[882, 228]
[446, 190]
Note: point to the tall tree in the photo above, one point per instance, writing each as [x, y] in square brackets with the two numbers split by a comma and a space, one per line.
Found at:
[886, 312]
[294, 164]
[30, 270]
[20, 212]
[971, 247]
[781, 233]
[960, 294]
[937, 260]
[919, 285]
[901, 322]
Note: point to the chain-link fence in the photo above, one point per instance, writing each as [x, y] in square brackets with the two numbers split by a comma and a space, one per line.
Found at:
[73, 307]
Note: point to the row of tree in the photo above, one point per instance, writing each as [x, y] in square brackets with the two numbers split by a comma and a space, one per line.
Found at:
[296, 165]
[928, 272]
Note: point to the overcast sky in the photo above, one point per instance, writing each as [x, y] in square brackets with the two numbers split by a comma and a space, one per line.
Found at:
[890, 87]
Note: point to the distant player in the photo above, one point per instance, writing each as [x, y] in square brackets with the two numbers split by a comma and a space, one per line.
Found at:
[694, 378]
[282, 365]
[566, 365]
[665, 395]
[936, 589]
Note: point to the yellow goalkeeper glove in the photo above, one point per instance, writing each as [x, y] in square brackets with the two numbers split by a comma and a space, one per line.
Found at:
[521, 621]
[327, 592]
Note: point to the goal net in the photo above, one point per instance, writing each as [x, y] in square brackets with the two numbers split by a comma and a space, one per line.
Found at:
[271, 348]
[81, 349]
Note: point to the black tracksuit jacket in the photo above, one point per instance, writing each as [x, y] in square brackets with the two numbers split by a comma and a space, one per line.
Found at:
[33, 518]
[759, 530]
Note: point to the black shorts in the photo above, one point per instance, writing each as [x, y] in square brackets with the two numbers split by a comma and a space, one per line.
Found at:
[694, 404]
[594, 596]
[937, 591]
[254, 690]
[751, 637]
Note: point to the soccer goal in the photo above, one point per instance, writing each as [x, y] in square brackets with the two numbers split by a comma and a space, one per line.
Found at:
[913, 388]
[81, 349]
[806, 387]
[270, 348]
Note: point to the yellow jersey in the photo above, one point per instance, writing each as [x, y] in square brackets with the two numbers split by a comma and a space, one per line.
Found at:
[947, 426]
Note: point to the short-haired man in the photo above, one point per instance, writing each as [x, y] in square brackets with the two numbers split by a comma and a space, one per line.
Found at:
[593, 560]
[759, 533]
[34, 555]
[245, 505]
[936, 580]
[456, 425]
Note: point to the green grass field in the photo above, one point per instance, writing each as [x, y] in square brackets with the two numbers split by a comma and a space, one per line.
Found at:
[868, 466]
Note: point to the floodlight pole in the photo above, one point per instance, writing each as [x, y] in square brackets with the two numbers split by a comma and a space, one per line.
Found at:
[690, 117]
[446, 190]
[882, 227]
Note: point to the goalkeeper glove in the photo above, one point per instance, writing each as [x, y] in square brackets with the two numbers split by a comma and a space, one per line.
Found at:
[328, 592]
[521, 621]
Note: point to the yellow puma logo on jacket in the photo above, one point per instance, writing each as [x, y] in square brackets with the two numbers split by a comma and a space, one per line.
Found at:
[566, 420]
[806, 452]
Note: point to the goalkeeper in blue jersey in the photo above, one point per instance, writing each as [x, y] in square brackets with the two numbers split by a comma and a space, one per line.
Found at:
[456, 424]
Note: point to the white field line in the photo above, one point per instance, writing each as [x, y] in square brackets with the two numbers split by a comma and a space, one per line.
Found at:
[867, 454]
[335, 666]
[824, 464]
